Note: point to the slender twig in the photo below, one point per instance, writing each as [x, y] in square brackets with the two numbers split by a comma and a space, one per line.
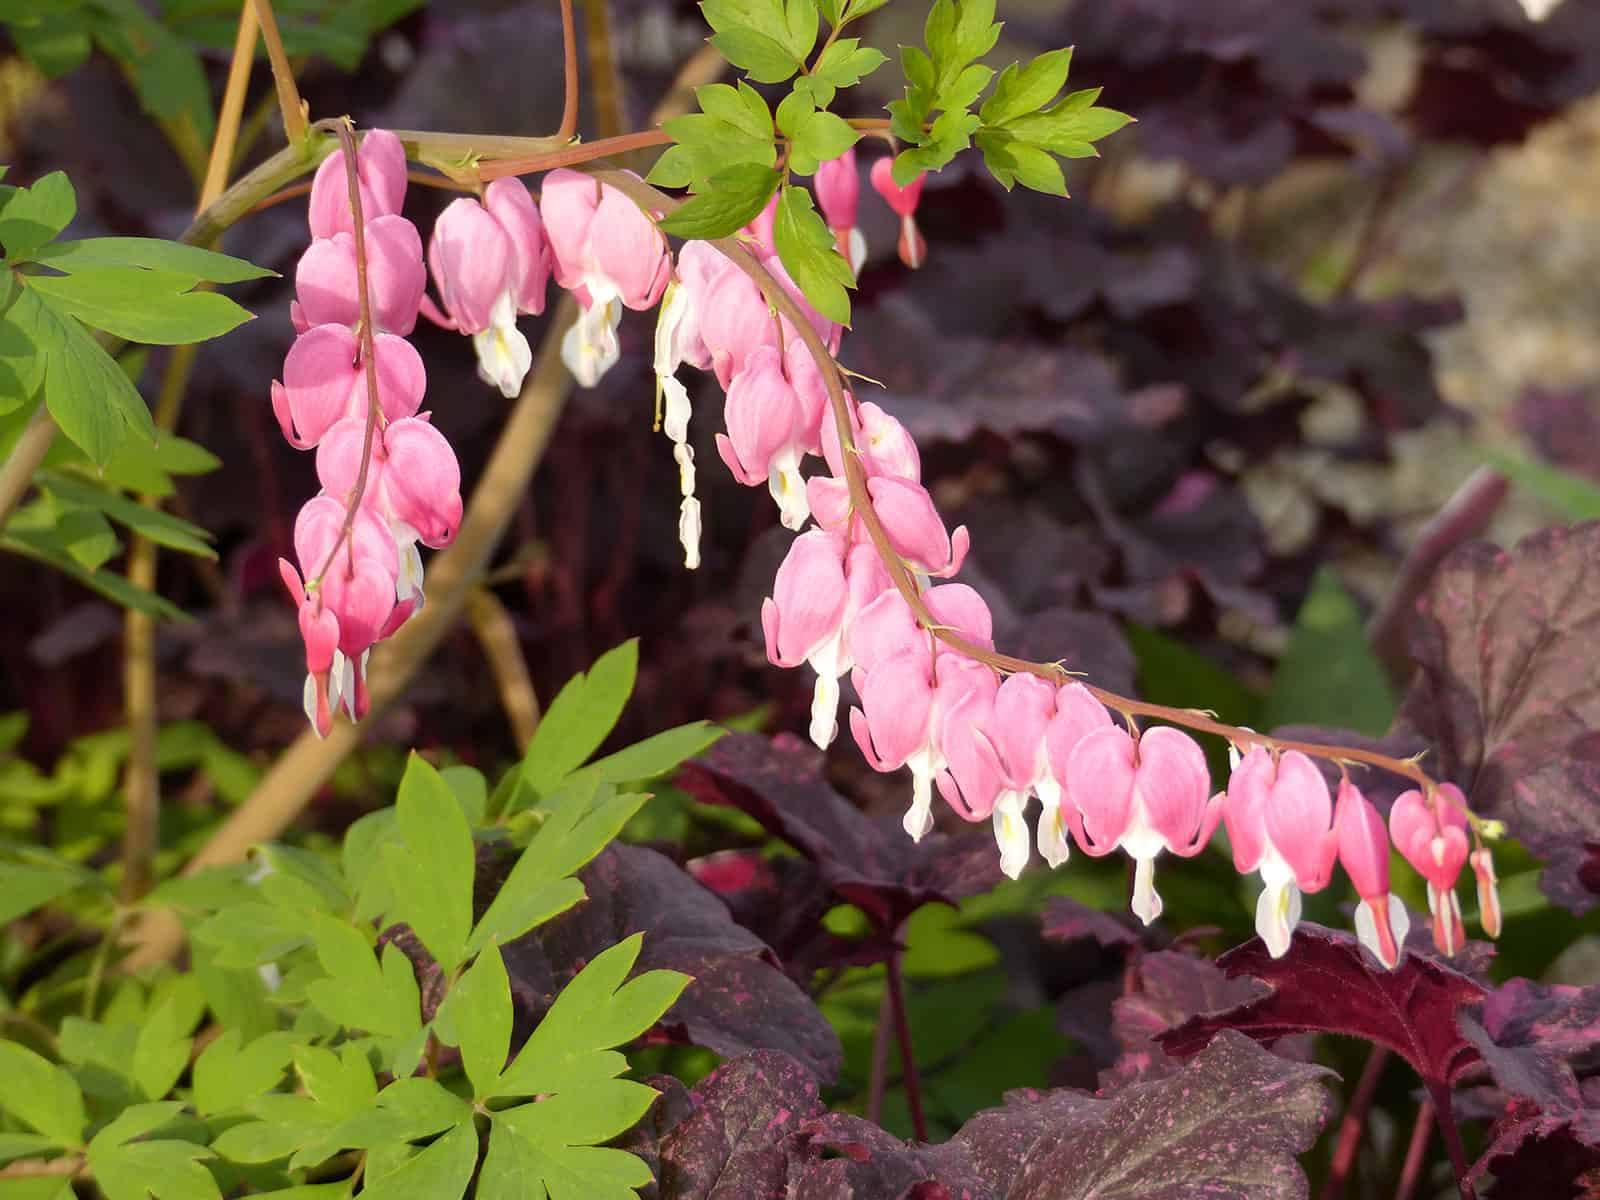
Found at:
[347, 138]
[1444, 1113]
[1416, 1153]
[289, 103]
[498, 638]
[37, 1168]
[902, 1032]
[16, 473]
[904, 579]
[1353, 1122]
[232, 110]
[878, 1073]
[141, 787]
[605, 82]
[569, 76]
[1465, 516]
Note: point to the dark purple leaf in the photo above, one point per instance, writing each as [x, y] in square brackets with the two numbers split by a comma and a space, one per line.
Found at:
[876, 1165]
[1173, 988]
[1067, 920]
[1228, 1125]
[743, 1138]
[1564, 426]
[871, 864]
[1505, 643]
[1327, 984]
[739, 1000]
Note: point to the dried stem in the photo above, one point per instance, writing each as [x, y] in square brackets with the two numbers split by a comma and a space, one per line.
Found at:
[347, 139]
[1353, 1122]
[902, 1031]
[878, 1073]
[900, 573]
[16, 473]
[293, 108]
[498, 638]
[141, 788]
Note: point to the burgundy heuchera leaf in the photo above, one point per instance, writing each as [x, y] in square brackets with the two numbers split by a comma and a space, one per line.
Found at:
[1328, 984]
[1505, 644]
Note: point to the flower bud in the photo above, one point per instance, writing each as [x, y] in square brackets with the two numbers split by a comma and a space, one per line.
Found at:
[381, 175]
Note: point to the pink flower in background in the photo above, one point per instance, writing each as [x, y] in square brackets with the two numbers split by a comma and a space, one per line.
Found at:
[903, 201]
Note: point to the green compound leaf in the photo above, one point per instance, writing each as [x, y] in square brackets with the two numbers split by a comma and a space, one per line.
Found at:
[478, 1012]
[162, 528]
[735, 197]
[1011, 162]
[440, 1172]
[359, 993]
[229, 1074]
[572, 1046]
[582, 716]
[1021, 90]
[818, 138]
[41, 1095]
[430, 867]
[154, 254]
[126, 1169]
[140, 305]
[31, 216]
[807, 250]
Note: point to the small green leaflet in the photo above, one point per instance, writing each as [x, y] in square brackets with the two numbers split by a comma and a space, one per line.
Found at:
[31, 216]
[126, 1169]
[580, 718]
[177, 258]
[806, 247]
[733, 198]
[843, 64]
[440, 1172]
[1021, 90]
[734, 127]
[42, 1095]
[769, 40]
[140, 305]
[430, 868]
[479, 1016]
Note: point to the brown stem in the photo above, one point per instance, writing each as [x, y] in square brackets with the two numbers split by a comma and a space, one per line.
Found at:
[1445, 1115]
[1353, 1122]
[498, 638]
[347, 139]
[908, 1061]
[605, 84]
[1466, 515]
[569, 68]
[289, 103]
[899, 571]
[572, 156]
[16, 473]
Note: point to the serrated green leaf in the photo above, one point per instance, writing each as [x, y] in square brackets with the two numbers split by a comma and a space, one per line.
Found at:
[21, 363]
[793, 109]
[162, 528]
[806, 248]
[1011, 161]
[361, 992]
[249, 934]
[167, 1170]
[736, 197]
[342, 1084]
[657, 754]
[965, 88]
[25, 888]
[741, 107]
[41, 1095]
[440, 1172]
[154, 254]
[31, 216]
[831, 10]
[479, 1016]
[584, 1116]
[140, 305]
[1023, 90]
[846, 63]
[162, 1050]
[593, 1013]
[525, 1157]
[821, 137]
[1069, 128]
[581, 718]
[229, 1074]
[800, 21]
[431, 868]
[763, 58]
[860, 8]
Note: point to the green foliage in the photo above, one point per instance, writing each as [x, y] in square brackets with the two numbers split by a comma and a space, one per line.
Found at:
[733, 128]
[807, 249]
[1329, 675]
[769, 40]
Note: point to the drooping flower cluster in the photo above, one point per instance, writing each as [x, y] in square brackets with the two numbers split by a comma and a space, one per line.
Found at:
[389, 479]
[988, 745]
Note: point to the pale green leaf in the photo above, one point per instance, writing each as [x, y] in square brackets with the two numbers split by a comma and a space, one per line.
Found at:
[41, 1095]
[581, 717]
